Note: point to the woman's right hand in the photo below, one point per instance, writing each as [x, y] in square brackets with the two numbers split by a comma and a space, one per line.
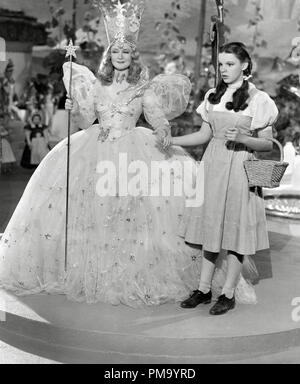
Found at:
[69, 104]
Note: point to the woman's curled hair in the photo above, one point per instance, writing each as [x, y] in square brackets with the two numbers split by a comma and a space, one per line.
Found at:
[241, 95]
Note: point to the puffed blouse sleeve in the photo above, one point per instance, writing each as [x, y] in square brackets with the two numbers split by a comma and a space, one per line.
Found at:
[154, 113]
[83, 94]
[203, 108]
[264, 113]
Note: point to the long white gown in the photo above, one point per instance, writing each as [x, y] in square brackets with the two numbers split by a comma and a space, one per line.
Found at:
[122, 249]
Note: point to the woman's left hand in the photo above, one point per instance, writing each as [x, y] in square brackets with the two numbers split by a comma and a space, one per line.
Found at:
[163, 138]
[167, 141]
[234, 134]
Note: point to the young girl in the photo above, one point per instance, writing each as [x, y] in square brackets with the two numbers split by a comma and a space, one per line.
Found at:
[37, 143]
[237, 120]
[7, 157]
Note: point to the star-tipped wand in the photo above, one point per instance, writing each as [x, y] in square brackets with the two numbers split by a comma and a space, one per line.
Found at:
[70, 52]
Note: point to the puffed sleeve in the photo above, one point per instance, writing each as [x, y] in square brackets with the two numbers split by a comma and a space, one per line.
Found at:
[263, 111]
[173, 93]
[203, 108]
[154, 113]
[83, 94]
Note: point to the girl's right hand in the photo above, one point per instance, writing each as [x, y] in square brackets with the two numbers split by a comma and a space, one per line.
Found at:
[69, 104]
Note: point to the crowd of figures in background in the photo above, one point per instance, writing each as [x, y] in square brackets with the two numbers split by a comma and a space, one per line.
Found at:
[33, 109]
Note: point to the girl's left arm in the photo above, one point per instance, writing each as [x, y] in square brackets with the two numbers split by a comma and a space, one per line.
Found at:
[258, 144]
[264, 114]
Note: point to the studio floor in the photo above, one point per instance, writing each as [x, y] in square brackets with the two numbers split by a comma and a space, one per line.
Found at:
[45, 329]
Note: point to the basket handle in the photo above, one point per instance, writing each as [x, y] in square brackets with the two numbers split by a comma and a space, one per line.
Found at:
[280, 147]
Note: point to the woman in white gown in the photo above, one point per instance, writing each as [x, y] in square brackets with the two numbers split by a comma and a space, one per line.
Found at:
[123, 248]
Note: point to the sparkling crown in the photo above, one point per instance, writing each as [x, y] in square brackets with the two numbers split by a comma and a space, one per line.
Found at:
[122, 21]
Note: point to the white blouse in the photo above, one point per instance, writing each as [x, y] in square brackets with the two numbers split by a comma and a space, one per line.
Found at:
[262, 109]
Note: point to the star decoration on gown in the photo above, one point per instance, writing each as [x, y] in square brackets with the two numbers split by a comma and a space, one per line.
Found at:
[71, 49]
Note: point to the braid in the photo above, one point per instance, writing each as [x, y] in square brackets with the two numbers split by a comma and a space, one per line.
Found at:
[215, 97]
[239, 98]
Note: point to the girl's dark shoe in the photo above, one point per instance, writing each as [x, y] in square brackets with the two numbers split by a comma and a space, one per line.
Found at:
[222, 306]
[197, 298]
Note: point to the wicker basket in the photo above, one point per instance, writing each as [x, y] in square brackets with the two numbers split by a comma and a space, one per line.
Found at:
[266, 173]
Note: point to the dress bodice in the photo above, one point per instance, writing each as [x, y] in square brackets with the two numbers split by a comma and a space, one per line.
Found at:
[117, 117]
[220, 122]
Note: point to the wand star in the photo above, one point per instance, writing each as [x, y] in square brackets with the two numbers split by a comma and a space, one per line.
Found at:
[71, 49]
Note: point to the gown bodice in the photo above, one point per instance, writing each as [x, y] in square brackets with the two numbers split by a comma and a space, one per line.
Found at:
[117, 117]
